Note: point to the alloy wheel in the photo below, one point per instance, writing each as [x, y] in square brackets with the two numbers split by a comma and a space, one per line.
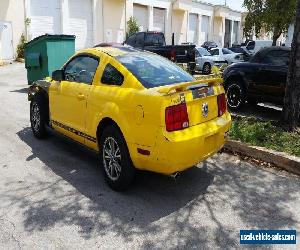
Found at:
[234, 95]
[112, 158]
[35, 117]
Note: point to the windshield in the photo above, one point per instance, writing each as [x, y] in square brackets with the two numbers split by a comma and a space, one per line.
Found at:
[203, 52]
[153, 70]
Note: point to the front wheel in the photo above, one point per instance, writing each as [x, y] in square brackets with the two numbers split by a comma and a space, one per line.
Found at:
[38, 117]
[118, 169]
[235, 96]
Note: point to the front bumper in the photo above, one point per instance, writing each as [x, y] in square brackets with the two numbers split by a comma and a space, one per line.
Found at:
[180, 150]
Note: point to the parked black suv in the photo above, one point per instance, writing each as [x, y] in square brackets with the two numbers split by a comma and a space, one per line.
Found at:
[261, 79]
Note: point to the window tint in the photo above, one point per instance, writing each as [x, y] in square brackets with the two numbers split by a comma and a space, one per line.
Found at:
[226, 51]
[131, 40]
[81, 69]
[139, 40]
[153, 70]
[156, 39]
[112, 76]
[251, 45]
[203, 52]
[214, 52]
[276, 58]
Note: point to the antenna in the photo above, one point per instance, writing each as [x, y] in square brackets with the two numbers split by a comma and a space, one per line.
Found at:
[225, 2]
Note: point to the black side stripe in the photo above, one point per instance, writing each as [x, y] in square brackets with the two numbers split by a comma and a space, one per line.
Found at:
[74, 131]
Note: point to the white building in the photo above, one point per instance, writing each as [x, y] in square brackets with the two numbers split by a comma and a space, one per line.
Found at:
[96, 21]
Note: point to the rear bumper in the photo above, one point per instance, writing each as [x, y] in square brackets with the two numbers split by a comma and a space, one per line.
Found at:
[180, 150]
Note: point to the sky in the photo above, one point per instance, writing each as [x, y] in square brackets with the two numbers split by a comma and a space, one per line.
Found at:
[233, 4]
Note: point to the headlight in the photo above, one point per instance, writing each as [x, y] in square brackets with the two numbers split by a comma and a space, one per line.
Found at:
[238, 57]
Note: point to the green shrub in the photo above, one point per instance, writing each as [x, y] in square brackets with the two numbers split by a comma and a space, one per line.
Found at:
[132, 27]
[21, 47]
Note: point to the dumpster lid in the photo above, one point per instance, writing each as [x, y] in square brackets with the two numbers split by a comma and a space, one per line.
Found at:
[50, 37]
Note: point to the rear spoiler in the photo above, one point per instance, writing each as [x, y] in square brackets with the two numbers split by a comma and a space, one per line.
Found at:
[205, 81]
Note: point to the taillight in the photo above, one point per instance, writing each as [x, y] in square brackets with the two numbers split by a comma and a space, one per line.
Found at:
[177, 117]
[173, 55]
[222, 104]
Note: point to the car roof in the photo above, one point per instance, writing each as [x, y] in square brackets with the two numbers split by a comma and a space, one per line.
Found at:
[111, 50]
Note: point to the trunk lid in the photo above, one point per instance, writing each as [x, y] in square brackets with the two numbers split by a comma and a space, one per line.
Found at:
[199, 96]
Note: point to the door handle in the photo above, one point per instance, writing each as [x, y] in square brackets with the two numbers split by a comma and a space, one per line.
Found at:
[81, 96]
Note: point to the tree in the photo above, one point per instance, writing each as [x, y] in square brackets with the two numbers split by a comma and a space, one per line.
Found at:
[21, 47]
[291, 108]
[270, 15]
[132, 27]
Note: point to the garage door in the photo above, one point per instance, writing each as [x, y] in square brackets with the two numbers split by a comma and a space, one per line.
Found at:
[159, 19]
[44, 17]
[80, 22]
[204, 29]
[6, 41]
[193, 28]
[140, 13]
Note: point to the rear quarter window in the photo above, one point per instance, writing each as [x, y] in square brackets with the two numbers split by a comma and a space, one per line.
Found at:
[153, 70]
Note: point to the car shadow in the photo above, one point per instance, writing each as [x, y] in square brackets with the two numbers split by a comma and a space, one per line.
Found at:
[220, 195]
[22, 90]
[150, 198]
[263, 111]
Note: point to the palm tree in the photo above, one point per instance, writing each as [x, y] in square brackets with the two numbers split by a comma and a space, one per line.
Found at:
[291, 108]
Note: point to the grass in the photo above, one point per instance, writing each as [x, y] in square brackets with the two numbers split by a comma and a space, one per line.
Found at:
[268, 134]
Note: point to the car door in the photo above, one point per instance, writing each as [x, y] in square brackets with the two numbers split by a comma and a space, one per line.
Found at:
[272, 73]
[68, 98]
[104, 94]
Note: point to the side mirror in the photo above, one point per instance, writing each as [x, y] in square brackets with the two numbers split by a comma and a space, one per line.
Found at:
[58, 75]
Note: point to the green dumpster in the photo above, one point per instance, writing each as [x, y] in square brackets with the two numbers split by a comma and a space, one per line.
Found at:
[47, 53]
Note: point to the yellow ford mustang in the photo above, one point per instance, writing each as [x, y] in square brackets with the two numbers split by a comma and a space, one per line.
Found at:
[137, 109]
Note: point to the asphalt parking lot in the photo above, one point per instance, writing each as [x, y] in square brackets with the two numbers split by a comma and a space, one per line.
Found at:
[53, 196]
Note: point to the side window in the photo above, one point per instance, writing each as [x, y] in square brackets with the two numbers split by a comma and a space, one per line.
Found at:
[112, 76]
[140, 40]
[154, 39]
[276, 58]
[81, 69]
[131, 40]
[214, 52]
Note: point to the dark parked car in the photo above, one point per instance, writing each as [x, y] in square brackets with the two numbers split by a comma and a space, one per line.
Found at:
[209, 45]
[262, 79]
[246, 53]
[155, 42]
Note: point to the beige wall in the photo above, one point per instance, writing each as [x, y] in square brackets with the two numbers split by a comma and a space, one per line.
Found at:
[218, 30]
[114, 20]
[13, 11]
[179, 26]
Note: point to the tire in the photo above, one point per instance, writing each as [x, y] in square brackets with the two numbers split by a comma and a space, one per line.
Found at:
[206, 70]
[235, 95]
[117, 167]
[39, 116]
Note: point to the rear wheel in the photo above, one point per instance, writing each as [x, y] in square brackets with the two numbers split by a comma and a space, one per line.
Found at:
[235, 95]
[38, 117]
[206, 69]
[118, 169]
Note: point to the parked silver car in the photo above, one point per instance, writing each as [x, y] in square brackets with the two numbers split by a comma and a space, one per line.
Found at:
[227, 55]
[205, 61]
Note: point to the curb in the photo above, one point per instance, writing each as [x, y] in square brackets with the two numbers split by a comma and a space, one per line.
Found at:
[278, 159]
